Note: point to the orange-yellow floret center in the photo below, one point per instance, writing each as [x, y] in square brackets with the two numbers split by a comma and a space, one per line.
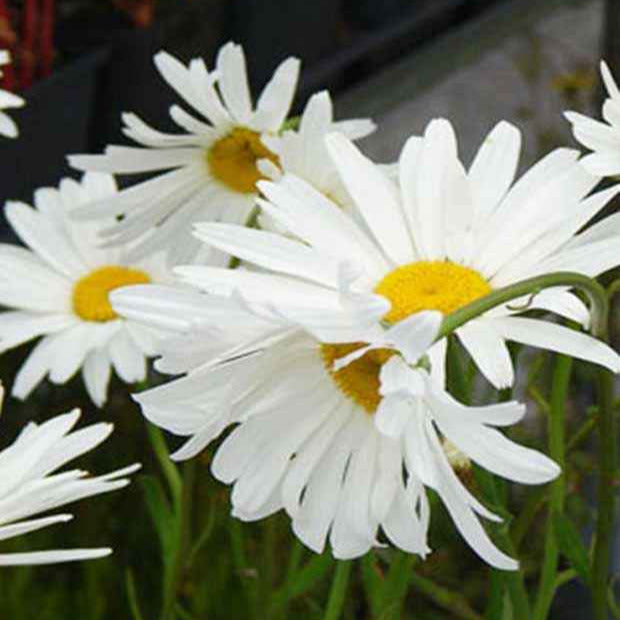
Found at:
[425, 285]
[232, 159]
[360, 379]
[91, 292]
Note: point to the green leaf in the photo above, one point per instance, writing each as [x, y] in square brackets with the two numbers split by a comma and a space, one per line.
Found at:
[571, 546]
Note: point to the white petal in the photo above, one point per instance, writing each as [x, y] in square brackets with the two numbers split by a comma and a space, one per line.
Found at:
[493, 451]
[437, 159]
[393, 414]
[52, 557]
[128, 361]
[489, 352]
[373, 196]
[96, 373]
[415, 334]
[494, 167]
[545, 335]
[270, 251]
[275, 101]
[311, 216]
[233, 82]
[44, 238]
[610, 83]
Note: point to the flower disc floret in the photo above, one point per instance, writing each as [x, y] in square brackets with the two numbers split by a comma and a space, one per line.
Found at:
[232, 159]
[91, 292]
[358, 380]
[430, 285]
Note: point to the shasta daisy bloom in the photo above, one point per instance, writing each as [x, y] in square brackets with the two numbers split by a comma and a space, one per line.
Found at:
[8, 100]
[207, 173]
[57, 289]
[602, 138]
[29, 486]
[438, 239]
[342, 437]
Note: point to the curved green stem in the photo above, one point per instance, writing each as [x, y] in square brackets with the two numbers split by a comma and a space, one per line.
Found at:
[557, 432]
[599, 306]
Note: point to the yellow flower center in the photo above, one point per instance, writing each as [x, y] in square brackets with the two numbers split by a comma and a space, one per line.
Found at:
[232, 159]
[90, 293]
[425, 285]
[430, 285]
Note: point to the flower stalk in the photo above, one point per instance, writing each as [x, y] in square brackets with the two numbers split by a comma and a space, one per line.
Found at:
[557, 451]
[605, 495]
[599, 306]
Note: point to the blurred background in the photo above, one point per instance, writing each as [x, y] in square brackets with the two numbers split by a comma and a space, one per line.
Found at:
[80, 63]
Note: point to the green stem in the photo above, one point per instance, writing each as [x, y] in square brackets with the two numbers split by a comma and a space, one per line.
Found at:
[606, 498]
[453, 602]
[394, 591]
[183, 513]
[168, 468]
[338, 591]
[582, 433]
[606, 488]
[514, 580]
[537, 498]
[594, 291]
[248, 580]
[557, 432]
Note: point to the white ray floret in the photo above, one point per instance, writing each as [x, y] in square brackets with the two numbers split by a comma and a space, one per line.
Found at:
[56, 289]
[602, 138]
[311, 436]
[8, 100]
[439, 238]
[29, 486]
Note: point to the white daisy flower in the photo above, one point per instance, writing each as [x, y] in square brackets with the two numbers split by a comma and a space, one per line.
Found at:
[8, 100]
[29, 487]
[603, 139]
[211, 169]
[343, 438]
[57, 288]
[439, 239]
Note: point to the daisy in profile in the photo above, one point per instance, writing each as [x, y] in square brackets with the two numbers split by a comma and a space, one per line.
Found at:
[57, 287]
[30, 487]
[209, 172]
[437, 239]
[8, 100]
[342, 436]
[602, 138]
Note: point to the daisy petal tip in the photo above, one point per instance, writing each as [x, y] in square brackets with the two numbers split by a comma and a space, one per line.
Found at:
[507, 564]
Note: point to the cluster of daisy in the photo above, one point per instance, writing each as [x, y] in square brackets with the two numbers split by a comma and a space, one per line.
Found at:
[299, 290]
